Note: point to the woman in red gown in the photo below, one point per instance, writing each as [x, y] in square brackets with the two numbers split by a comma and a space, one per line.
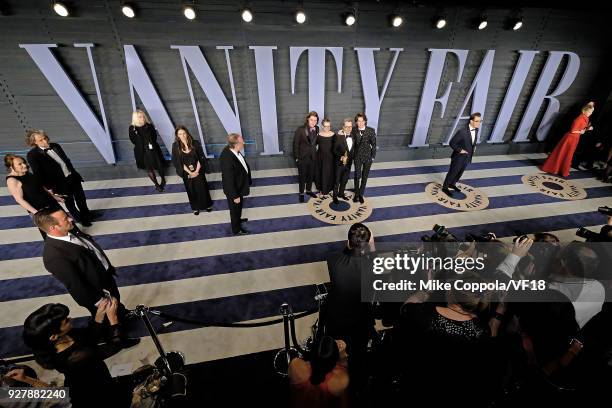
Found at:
[560, 159]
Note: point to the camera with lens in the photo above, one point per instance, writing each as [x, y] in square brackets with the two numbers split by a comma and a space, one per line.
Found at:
[440, 234]
[589, 235]
[605, 210]
[488, 237]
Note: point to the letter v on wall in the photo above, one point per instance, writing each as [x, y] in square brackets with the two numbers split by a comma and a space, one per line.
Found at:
[72, 98]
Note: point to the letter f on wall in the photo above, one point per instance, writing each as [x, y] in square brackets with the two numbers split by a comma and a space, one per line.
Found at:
[67, 91]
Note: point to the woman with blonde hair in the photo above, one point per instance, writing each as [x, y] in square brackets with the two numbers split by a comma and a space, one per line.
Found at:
[147, 152]
[560, 160]
[190, 164]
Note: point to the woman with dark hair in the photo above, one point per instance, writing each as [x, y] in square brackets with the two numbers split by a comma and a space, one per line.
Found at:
[147, 152]
[75, 352]
[320, 379]
[325, 158]
[560, 160]
[445, 349]
[26, 188]
[190, 163]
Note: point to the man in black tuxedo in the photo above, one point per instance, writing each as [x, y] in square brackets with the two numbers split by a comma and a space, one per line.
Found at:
[55, 171]
[343, 154]
[463, 144]
[345, 316]
[236, 179]
[79, 263]
[305, 153]
[365, 153]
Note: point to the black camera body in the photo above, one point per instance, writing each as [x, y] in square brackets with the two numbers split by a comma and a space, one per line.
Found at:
[605, 210]
[488, 237]
[589, 235]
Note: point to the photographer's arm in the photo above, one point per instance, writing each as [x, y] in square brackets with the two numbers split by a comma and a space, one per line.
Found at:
[18, 374]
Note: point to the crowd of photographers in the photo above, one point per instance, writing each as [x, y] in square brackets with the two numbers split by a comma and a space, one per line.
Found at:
[491, 348]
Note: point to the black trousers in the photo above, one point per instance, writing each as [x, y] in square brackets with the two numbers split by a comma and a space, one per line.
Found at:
[456, 169]
[342, 176]
[362, 170]
[306, 173]
[235, 213]
[73, 189]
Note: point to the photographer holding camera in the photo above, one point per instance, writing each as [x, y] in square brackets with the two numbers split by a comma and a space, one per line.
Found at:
[75, 352]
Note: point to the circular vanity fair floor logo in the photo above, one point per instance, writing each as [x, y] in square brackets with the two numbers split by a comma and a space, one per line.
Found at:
[467, 199]
[553, 186]
[345, 212]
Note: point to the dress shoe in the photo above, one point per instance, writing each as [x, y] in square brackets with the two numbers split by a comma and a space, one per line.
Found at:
[242, 232]
[361, 200]
[446, 191]
[344, 197]
[244, 219]
[129, 342]
[355, 198]
[455, 188]
[196, 212]
[159, 188]
[301, 198]
[310, 193]
[336, 200]
[209, 209]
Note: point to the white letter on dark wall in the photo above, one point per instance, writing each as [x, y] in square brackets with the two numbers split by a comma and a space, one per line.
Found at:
[540, 93]
[479, 89]
[430, 90]
[316, 74]
[512, 95]
[369, 82]
[264, 68]
[67, 91]
[192, 56]
[140, 82]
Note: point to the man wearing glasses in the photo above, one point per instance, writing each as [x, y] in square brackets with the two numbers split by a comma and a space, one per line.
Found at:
[463, 145]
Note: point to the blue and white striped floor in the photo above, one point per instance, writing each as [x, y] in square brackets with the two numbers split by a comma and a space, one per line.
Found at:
[190, 266]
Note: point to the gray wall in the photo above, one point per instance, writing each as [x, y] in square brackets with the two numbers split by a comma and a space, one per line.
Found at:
[27, 100]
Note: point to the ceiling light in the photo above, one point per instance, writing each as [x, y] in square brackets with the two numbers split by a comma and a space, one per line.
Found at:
[247, 15]
[189, 12]
[61, 9]
[300, 16]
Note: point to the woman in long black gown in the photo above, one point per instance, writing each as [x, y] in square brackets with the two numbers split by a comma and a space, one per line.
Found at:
[147, 152]
[325, 158]
[190, 163]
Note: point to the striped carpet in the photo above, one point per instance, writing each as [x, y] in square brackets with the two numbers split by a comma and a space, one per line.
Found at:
[190, 266]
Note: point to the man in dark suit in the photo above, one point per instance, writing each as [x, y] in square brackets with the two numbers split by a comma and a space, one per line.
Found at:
[305, 153]
[463, 144]
[55, 171]
[365, 153]
[343, 155]
[345, 316]
[236, 179]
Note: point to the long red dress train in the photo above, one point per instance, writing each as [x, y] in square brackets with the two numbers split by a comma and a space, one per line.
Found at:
[560, 159]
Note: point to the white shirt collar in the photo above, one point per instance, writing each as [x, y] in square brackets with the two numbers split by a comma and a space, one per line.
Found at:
[64, 238]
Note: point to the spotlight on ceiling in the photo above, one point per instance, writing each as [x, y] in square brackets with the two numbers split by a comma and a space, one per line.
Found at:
[440, 22]
[61, 9]
[247, 15]
[300, 16]
[350, 19]
[189, 12]
[482, 22]
[517, 24]
[128, 10]
[396, 20]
